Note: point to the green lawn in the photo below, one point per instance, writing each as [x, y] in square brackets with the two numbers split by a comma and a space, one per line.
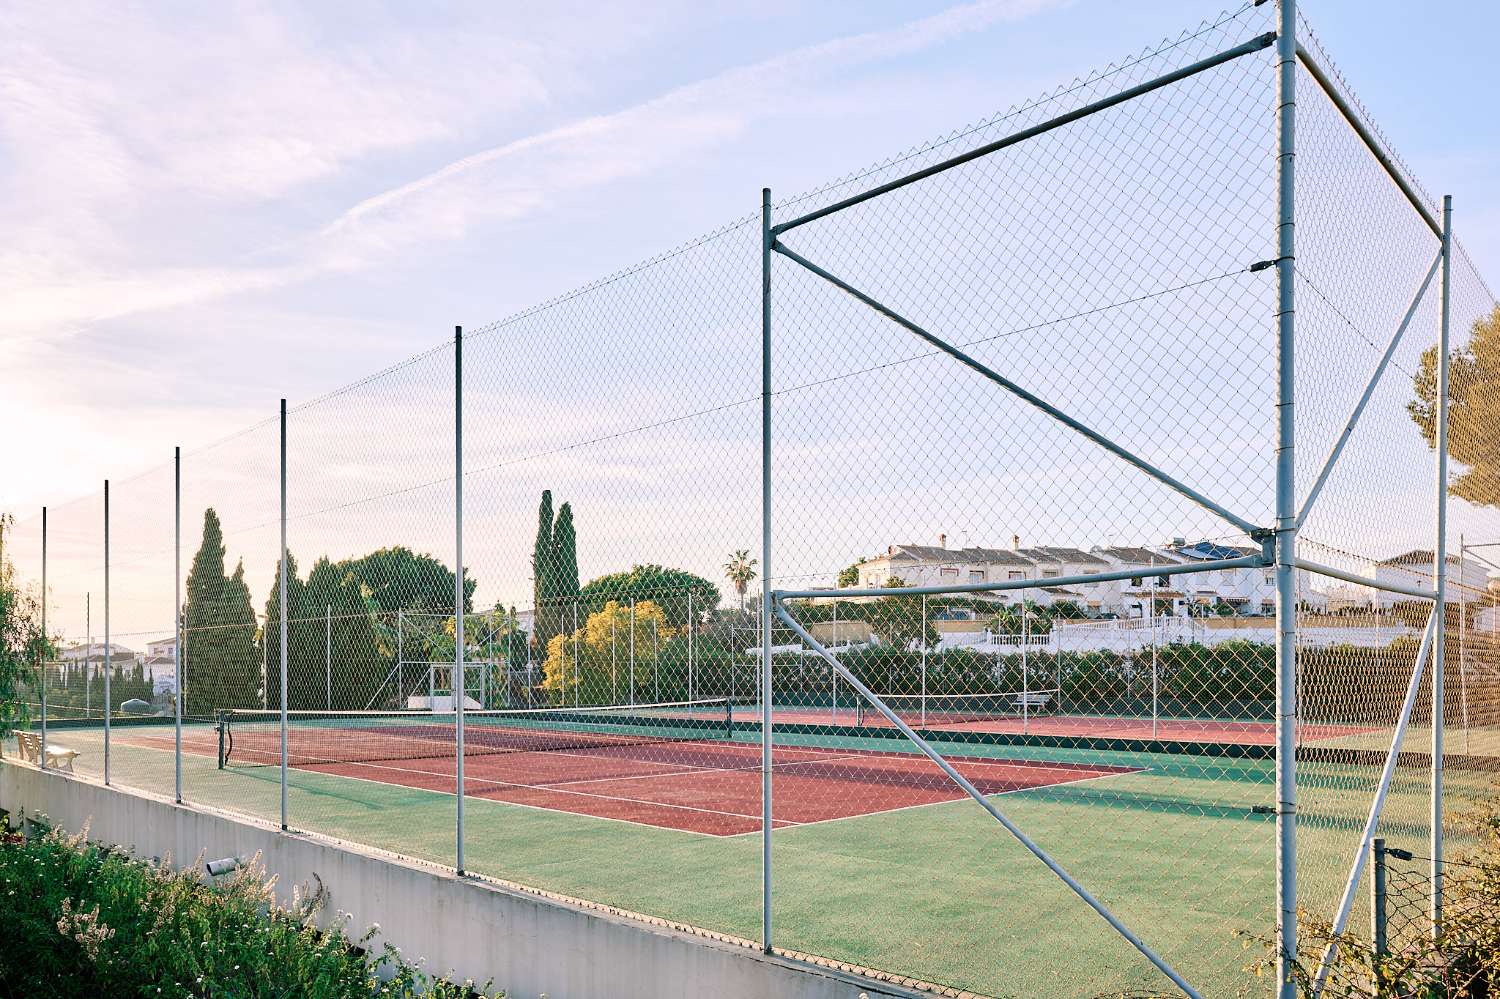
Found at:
[939, 892]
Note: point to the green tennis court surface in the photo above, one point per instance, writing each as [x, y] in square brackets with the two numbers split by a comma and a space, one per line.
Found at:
[940, 892]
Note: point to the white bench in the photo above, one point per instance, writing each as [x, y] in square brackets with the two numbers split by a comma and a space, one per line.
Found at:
[58, 757]
[1033, 702]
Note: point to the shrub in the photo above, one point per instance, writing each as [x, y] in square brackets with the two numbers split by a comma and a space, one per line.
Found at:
[83, 919]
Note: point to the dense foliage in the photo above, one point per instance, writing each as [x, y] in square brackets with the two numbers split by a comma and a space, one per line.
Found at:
[219, 630]
[668, 588]
[23, 645]
[1473, 410]
[87, 920]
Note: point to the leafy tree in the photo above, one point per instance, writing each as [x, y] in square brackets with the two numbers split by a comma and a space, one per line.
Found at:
[220, 663]
[849, 575]
[740, 570]
[345, 668]
[1473, 410]
[397, 578]
[668, 588]
[898, 620]
[23, 644]
[603, 654]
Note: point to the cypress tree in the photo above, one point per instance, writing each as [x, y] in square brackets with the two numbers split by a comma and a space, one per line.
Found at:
[218, 631]
[543, 576]
[565, 543]
[271, 637]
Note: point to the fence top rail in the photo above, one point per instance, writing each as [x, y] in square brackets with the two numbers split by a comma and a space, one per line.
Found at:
[1367, 135]
[1245, 562]
[1255, 44]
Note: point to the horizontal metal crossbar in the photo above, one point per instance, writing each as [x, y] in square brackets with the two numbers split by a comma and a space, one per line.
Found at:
[1358, 580]
[1377, 149]
[1247, 562]
[1035, 400]
[1166, 79]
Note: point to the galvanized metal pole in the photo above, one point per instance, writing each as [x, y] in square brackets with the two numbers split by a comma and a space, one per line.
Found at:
[577, 679]
[88, 656]
[1286, 504]
[108, 658]
[328, 657]
[1155, 683]
[765, 568]
[177, 622]
[630, 658]
[458, 588]
[1440, 573]
[42, 673]
[923, 632]
[1025, 685]
[283, 610]
[689, 640]
[835, 716]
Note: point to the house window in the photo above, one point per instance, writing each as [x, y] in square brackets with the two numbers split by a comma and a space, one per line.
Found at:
[948, 573]
[1161, 580]
[1049, 573]
[976, 575]
[1015, 574]
[1136, 580]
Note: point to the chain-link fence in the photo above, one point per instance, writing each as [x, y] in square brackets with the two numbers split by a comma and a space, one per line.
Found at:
[1012, 567]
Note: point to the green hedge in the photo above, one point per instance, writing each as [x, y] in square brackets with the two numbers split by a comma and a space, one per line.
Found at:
[80, 919]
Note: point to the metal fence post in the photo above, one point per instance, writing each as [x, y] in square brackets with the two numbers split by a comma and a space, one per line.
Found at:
[177, 622]
[1377, 897]
[923, 682]
[1286, 504]
[283, 613]
[1440, 573]
[458, 588]
[328, 657]
[689, 640]
[108, 657]
[577, 679]
[765, 567]
[42, 673]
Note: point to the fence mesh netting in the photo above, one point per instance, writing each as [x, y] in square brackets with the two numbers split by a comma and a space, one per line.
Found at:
[1050, 362]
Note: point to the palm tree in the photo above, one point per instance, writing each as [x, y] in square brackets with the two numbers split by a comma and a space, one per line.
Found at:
[740, 570]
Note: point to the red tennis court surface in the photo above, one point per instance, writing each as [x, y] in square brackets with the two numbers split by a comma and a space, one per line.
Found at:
[704, 787]
[1241, 733]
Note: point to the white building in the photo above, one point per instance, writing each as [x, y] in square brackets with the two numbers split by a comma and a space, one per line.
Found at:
[1246, 591]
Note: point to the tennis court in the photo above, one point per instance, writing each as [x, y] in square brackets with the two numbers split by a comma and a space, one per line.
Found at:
[868, 833]
[670, 766]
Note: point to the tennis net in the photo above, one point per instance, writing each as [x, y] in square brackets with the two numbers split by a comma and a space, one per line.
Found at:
[249, 738]
[956, 709]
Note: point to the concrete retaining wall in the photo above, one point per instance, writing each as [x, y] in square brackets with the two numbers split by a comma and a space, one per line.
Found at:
[527, 943]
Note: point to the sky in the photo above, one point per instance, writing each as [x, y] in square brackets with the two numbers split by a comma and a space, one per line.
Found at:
[208, 208]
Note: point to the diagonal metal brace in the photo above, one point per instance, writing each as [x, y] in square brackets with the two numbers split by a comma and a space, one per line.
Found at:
[1364, 400]
[1021, 393]
[1377, 806]
[985, 803]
